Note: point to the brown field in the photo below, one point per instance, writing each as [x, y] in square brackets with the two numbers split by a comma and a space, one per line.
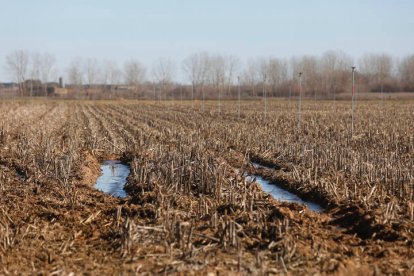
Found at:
[189, 208]
[377, 96]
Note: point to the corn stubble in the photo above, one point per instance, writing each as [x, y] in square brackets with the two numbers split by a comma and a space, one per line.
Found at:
[190, 208]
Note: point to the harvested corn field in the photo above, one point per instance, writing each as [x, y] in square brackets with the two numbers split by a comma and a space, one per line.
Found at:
[192, 204]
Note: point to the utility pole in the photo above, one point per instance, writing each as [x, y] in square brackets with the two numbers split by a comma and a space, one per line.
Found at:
[219, 98]
[202, 92]
[264, 95]
[353, 98]
[238, 81]
[181, 93]
[192, 96]
[300, 98]
[155, 92]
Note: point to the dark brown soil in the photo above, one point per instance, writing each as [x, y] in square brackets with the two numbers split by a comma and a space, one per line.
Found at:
[53, 222]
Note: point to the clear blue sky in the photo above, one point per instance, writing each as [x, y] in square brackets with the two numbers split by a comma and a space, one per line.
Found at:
[146, 30]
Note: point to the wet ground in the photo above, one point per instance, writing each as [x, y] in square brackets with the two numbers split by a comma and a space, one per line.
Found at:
[52, 225]
[113, 178]
[282, 194]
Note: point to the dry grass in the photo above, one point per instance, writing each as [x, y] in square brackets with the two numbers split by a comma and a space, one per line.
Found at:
[190, 208]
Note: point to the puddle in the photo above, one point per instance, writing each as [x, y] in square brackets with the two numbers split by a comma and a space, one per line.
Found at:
[258, 166]
[113, 178]
[281, 194]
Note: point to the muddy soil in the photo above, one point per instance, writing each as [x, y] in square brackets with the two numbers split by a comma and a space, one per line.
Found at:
[98, 233]
[53, 221]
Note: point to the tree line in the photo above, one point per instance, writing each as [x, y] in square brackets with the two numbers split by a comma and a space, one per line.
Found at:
[205, 75]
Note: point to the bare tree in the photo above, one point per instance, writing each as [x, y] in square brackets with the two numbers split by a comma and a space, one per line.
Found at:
[75, 73]
[377, 69]
[134, 74]
[231, 67]
[334, 69]
[91, 71]
[406, 70]
[311, 74]
[251, 76]
[384, 64]
[276, 72]
[216, 75]
[222, 74]
[263, 65]
[35, 67]
[312, 77]
[196, 68]
[47, 69]
[17, 64]
[111, 75]
[163, 72]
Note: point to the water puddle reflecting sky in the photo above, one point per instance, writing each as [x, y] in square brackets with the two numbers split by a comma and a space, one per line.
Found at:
[113, 178]
[281, 194]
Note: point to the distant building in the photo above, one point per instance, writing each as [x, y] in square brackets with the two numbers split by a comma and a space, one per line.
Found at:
[8, 85]
[37, 88]
[56, 90]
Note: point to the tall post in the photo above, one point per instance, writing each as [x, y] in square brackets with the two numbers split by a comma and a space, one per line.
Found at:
[202, 92]
[181, 93]
[238, 82]
[353, 98]
[219, 98]
[192, 95]
[155, 92]
[300, 99]
[159, 88]
[264, 95]
[165, 93]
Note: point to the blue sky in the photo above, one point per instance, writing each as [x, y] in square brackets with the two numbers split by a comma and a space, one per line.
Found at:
[147, 30]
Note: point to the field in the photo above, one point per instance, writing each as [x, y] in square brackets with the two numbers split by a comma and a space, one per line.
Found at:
[190, 208]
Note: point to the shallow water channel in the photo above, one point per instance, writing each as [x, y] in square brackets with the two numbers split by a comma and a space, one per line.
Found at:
[281, 194]
[113, 178]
